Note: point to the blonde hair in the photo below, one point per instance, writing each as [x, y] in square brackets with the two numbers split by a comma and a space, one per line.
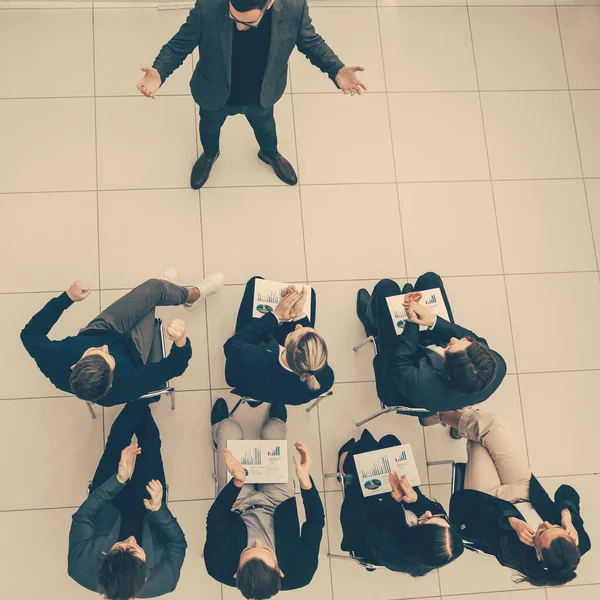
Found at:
[306, 357]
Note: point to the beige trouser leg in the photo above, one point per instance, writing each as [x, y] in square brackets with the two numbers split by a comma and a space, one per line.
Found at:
[497, 465]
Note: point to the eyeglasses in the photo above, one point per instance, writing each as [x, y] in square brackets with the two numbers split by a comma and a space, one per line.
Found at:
[423, 520]
[253, 25]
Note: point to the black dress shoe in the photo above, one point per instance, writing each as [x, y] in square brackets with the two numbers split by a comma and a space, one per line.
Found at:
[362, 310]
[278, 411]
[283, 169]
[219, 412]
[201, 170]
[254, 403]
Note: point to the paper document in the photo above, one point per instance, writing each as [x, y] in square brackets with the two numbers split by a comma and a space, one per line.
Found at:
[265, 461]
[373, 468]
[431, 298]
[267, 295]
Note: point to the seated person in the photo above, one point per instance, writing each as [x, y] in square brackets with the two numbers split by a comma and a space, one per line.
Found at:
[505, 511]
[443, 368]
[106, 361]
[123, 544]
[403, 531]
[279, 358]
[253, 537]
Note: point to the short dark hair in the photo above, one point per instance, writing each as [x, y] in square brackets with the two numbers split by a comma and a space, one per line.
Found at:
[428, 547]
[472, 369]
[91, 378]
[556, 568]
[121, 575]
[248, 5]
[257, 581]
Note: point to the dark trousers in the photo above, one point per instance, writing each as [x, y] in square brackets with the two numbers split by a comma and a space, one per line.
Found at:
[246, 307]
[261, 120]
[379, 313]
[135, 418]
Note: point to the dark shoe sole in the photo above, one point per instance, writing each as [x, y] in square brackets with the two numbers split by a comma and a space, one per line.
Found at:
[268, 162]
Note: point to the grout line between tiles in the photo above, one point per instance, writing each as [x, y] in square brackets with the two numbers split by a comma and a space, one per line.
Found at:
[512, 337]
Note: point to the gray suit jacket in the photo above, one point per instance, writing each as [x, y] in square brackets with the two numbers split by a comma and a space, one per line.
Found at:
[209, 27]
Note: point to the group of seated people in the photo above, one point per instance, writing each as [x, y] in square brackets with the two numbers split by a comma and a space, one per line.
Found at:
[124, 541]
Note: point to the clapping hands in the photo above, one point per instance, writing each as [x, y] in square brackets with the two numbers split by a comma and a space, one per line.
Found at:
[402, 491]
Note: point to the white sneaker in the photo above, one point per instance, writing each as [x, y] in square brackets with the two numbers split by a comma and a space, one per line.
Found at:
[209, 286]
[170, 274]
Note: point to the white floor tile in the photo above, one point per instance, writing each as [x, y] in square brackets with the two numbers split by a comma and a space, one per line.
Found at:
[587, 121]
[226, 242]
[587, 487]
[50, 530]
[36, 53]
[338, 324]
[169, 221]
[64, 255]
[354, 401]
[343, 139]
[132, 38]
[25, 380]
[186, 443]
[130, 155]
[580, 32]
[518, 595]
[427, 49]
[62, 429]
[364, 244]
[530, 135]
[518, 48]
[448, 207]
[489, 319]
[541, 336]
[533, 215]
[342, 3]
[362, 50]
[47, 145]
[438, 137]
[425, 3]
[509, 2]
[578, 435]
[238, 164]
[592, 187]
[196, 376]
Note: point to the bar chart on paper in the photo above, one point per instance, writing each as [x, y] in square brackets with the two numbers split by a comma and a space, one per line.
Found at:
[373, 468]
[265, 461]
[431, 298]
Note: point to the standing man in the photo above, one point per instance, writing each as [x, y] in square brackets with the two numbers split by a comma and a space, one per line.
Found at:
[244, 48]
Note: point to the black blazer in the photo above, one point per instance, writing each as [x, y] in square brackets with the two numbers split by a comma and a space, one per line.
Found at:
[95, 530]
[132, 378]
[209, 28]
[373, 528]
[297, 549]
[252, 365]
[483, 519]
[412, 374]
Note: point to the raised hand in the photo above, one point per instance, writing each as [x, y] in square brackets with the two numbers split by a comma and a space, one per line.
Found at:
[284, 311]
[176, 332]
[566, 522]
[303, 462]
[349, 82]
[419, 313]
[150, 82]
[523, 531]
[78, 291]
[402, 491]
[299, 307]
[127, 462]
[155, 489]
[235, 469]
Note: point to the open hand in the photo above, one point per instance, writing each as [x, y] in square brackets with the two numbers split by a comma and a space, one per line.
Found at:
[235, 469]
[567, 524]
[402, 491]
[78, 291]
[419, 313]
[150, 82]
[127, 462]
[285, 311]
[155, 489]
[523, 531]
[176, 332]
[303, 463]
[349, 82]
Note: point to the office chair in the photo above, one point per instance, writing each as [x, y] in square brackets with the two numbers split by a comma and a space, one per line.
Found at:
[157, 353]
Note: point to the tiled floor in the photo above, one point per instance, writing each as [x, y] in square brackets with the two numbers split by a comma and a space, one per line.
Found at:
[475, 154]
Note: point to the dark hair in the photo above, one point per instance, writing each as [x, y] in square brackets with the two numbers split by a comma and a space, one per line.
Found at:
[121, 575]
[91, 378]
[248, 5]
[557, 566]
[257, 581]
[429, 547]
[470, 370]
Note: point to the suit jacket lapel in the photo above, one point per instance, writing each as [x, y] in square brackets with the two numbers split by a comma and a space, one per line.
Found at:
[226, 34]
[277, 33]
